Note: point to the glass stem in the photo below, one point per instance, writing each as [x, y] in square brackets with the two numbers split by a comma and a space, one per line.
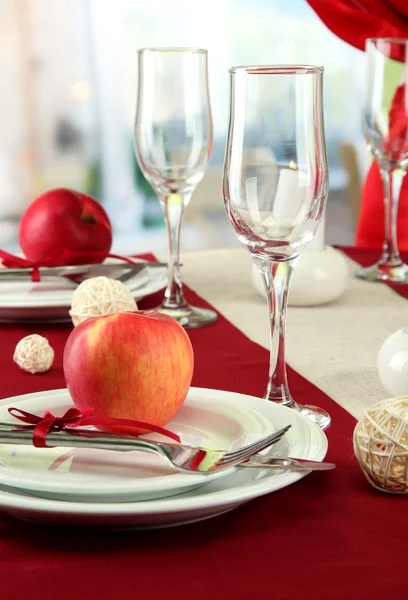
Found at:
[276, 277]
[173, 206]
[392, 180]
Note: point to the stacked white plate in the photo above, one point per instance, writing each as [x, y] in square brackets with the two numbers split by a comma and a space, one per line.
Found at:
[50, 300]
[108, 489]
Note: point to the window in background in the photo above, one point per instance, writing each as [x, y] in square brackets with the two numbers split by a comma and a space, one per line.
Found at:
[69, 71]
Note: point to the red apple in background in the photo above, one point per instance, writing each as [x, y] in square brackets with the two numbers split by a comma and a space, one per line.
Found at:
[63, 218]
[129, 365]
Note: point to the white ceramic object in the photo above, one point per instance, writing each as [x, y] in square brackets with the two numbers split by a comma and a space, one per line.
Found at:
[317, 244]
[50, 301]
[89, 475]
[319, 278]
[392, 363]
[304, 440]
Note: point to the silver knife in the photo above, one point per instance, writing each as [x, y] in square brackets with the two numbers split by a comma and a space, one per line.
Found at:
[78, 273]
[286, 464]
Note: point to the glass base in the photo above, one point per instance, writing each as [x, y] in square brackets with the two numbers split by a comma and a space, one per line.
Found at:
[190, 317]
[319, 416]
[388, 272]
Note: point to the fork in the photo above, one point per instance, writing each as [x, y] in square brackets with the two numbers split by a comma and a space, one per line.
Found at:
[79, 273]
[186, 459]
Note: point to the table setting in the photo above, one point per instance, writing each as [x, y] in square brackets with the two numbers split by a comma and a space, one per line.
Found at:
[160, 438]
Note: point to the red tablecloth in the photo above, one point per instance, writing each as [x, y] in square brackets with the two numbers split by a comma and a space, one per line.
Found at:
[367, 257]
[329, 535]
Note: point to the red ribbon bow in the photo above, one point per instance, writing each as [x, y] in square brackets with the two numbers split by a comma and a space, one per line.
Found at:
[60, 257]
[74, 418]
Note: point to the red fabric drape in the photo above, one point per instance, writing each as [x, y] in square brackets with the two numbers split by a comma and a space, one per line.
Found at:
[354, 21]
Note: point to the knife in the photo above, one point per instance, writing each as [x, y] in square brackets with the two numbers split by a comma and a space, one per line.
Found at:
[286, 464]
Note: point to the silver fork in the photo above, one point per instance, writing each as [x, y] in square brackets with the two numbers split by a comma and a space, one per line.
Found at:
[183, 458]
[77, 274]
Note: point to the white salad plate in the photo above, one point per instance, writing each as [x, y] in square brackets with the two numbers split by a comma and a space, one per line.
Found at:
[50, 300]
[240, 485]
[90, 475]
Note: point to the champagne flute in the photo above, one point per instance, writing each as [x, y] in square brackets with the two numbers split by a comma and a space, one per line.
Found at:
[173, 143]
[385, 125]
[275, 187]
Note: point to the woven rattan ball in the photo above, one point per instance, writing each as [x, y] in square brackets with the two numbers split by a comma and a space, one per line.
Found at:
[100, 296]
[381, 445]
[34, 354]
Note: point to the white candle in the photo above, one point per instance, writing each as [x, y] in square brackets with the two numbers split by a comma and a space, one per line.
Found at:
[289, 195]
[317, 243]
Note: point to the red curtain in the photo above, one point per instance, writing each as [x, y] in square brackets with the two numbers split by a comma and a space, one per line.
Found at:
[354, 21]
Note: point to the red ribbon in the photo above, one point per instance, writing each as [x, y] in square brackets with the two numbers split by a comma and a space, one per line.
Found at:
[74, 418]
[61, 256]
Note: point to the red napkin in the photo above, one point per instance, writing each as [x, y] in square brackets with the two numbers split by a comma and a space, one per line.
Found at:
[354, 21]
[370, 227]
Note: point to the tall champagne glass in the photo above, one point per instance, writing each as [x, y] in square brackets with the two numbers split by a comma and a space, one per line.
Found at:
[385, 125]
[275, 187]
[173, 143]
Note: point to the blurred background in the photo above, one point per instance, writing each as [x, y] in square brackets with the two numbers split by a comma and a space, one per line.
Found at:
[68, 73]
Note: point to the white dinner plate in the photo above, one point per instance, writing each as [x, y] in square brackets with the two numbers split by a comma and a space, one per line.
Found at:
[89, 475]
[50, 300]
[304, 440]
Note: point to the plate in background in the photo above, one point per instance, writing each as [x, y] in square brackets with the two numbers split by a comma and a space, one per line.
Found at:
[50, 300]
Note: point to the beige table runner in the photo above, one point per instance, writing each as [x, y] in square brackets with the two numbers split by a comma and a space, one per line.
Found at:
[334, 346]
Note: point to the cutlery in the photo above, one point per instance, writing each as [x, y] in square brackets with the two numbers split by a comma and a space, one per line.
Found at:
[79, 273]
[182, 458]
[287, 464]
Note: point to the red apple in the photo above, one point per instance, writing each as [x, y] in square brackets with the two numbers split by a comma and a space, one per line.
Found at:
[129, 365]
[63, 218]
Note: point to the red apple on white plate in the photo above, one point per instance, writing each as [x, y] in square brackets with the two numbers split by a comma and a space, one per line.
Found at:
[129, 365]
[63, 218]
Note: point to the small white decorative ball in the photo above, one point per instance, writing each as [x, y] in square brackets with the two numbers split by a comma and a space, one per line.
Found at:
[100, 296]
[392, 363]
[381, 445]
[34, 354]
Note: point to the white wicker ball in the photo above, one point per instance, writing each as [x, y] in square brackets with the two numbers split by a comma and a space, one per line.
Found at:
[34, 354]
[381, 445]
[100, 296]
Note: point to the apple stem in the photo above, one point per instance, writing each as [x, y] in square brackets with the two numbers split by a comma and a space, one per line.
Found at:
[88, 219]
